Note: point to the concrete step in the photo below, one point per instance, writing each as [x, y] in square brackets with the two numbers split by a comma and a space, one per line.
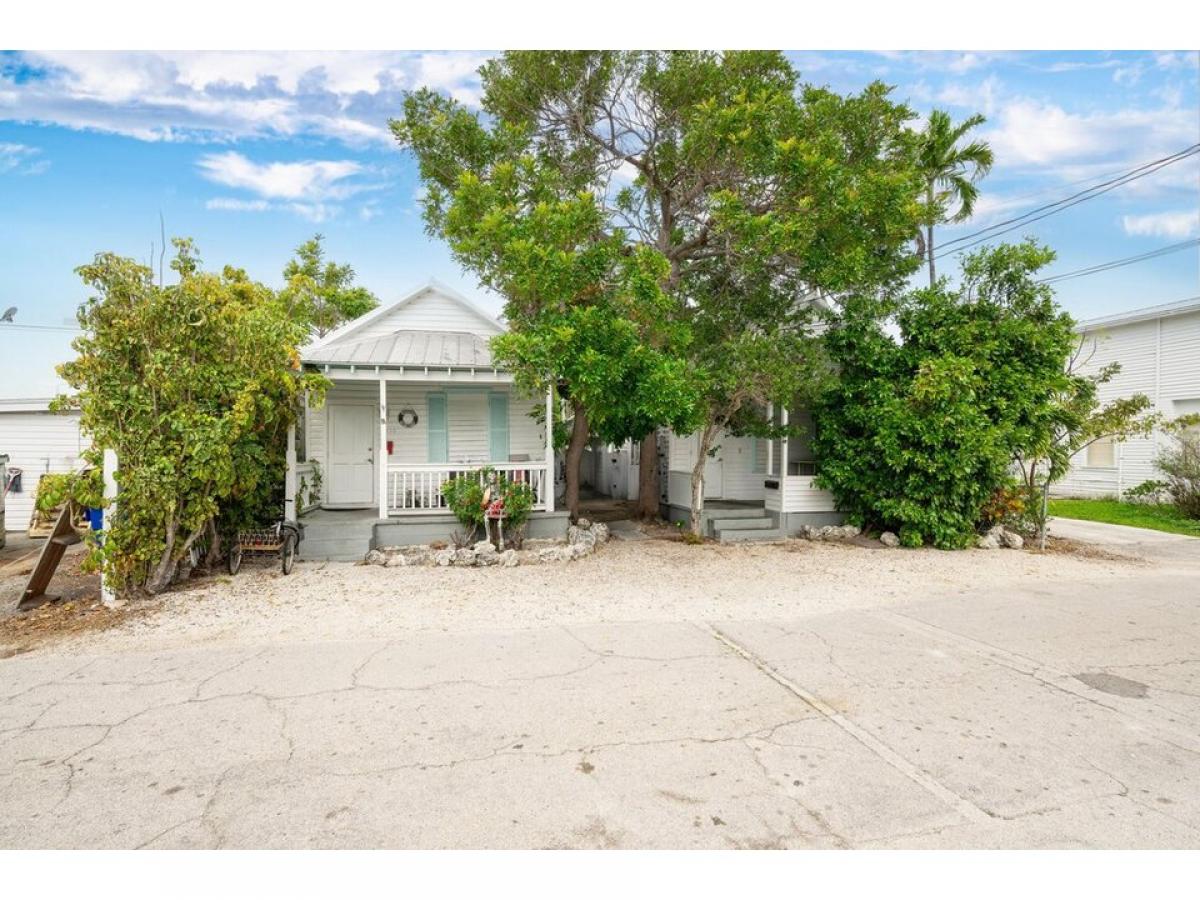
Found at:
[726, 535]
[733, 512]
[742, 523]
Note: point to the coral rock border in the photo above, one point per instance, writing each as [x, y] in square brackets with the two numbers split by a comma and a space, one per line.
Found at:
[582, 539]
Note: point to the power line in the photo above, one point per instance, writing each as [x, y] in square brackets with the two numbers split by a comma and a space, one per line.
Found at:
[8, 325]
[1058, 206]
[1118, 263]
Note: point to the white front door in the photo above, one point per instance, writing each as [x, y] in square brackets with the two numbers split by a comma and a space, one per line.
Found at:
[714, 472]
[351, 455]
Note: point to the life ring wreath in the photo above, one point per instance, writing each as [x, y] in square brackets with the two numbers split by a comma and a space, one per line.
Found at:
[408, 418]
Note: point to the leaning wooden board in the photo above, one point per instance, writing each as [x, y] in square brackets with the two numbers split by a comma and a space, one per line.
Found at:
[61, 537]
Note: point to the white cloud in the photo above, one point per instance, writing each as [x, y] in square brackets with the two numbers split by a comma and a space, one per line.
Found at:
[1163, 224]
[1035, 132]
[21, 159]
[313, 212]
[202, 95]
[310, 189]
[310, 179]
[232, 204]
[978, 97]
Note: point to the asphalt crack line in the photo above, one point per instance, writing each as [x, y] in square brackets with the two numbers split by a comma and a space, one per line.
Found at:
[1047, 675]
[964, 806]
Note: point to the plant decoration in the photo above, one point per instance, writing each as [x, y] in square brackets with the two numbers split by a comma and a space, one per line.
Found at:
[465, 495]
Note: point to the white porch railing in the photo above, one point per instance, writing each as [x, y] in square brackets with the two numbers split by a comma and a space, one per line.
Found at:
[415, 489]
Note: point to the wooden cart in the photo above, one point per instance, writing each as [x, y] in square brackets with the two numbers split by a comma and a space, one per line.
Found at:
[282, 538]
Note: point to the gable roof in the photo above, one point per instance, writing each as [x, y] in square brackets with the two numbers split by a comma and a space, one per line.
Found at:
[349, 329]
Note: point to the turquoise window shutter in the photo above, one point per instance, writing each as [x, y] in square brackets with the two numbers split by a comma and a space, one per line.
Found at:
[435, 427]
[498, 427]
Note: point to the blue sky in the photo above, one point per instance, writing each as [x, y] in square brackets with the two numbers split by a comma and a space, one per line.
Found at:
[251, 153]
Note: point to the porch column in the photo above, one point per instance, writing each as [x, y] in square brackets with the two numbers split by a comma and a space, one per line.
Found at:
[289, 477]
[783, 443]
[381, 454]
[548, 484]
[771, 441]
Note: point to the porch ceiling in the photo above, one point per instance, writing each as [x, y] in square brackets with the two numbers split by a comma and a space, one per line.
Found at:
[458, 349]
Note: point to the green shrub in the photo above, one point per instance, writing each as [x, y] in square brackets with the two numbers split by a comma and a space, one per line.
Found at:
[918, 433]
[1149, 491]
[1181, 466]
[465, 497]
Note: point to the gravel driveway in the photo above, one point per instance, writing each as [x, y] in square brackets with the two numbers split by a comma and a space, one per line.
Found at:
[652, 695]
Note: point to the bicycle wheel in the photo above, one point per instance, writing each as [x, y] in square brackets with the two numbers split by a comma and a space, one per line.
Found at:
[235, 558]
[287, 555]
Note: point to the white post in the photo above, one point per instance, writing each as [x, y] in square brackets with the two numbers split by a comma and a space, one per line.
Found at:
[771, 441]
[289, 478]
[381, 458]
[783, 445]
[548, 481]
[109, 473]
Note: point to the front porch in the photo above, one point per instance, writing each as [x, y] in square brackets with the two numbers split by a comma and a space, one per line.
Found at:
[348, 534]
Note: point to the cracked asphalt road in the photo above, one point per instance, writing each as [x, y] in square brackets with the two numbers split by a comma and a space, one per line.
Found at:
[1041, 715]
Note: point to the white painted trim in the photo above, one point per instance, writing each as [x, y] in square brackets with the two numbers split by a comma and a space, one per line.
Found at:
[432, 285]
[401, 375]
[381, 454]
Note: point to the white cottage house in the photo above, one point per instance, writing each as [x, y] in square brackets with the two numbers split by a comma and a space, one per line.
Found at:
[1158, 348]
[416, 400]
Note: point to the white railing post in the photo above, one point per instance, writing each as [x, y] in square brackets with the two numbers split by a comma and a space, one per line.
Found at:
[109, 473]
[783, 445]
[548, 484]
[381, 457]
[289, 477]
[771, 441]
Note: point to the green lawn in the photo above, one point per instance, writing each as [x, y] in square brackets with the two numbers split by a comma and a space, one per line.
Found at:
[1158, 516]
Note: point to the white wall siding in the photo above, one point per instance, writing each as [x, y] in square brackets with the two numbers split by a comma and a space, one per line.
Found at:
[430, 311]
[739, 480]
[37, 443]
[1159, 358]
[467, 421]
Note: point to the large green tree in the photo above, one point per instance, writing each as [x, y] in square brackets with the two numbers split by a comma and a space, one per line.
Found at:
[321, 294]
[705, 156]
[920, 429]
[950, 170]
[579, 301]
[194, 385]
[704, 159]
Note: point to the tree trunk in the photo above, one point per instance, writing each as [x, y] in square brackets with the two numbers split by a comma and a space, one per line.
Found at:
[164, 572]
[647, 502]
[929, 251]
[575, 448]
[706, 439]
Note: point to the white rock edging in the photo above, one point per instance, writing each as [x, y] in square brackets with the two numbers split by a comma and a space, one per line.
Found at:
[582, 539]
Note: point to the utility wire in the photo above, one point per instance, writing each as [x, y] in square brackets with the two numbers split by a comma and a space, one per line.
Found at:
[7, 325]
[1118, 263]
[1050, 209]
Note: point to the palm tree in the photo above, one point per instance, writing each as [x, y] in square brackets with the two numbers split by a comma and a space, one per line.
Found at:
[950, 173]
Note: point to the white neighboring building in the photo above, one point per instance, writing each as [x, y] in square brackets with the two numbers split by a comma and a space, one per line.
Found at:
[1159, 351]
[36, 441]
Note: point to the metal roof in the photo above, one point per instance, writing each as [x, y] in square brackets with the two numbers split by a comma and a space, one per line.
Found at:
[457, 349]
[1162, 311]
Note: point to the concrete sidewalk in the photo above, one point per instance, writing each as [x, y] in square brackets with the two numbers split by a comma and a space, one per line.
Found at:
[1145, 542]
[1045, 717]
